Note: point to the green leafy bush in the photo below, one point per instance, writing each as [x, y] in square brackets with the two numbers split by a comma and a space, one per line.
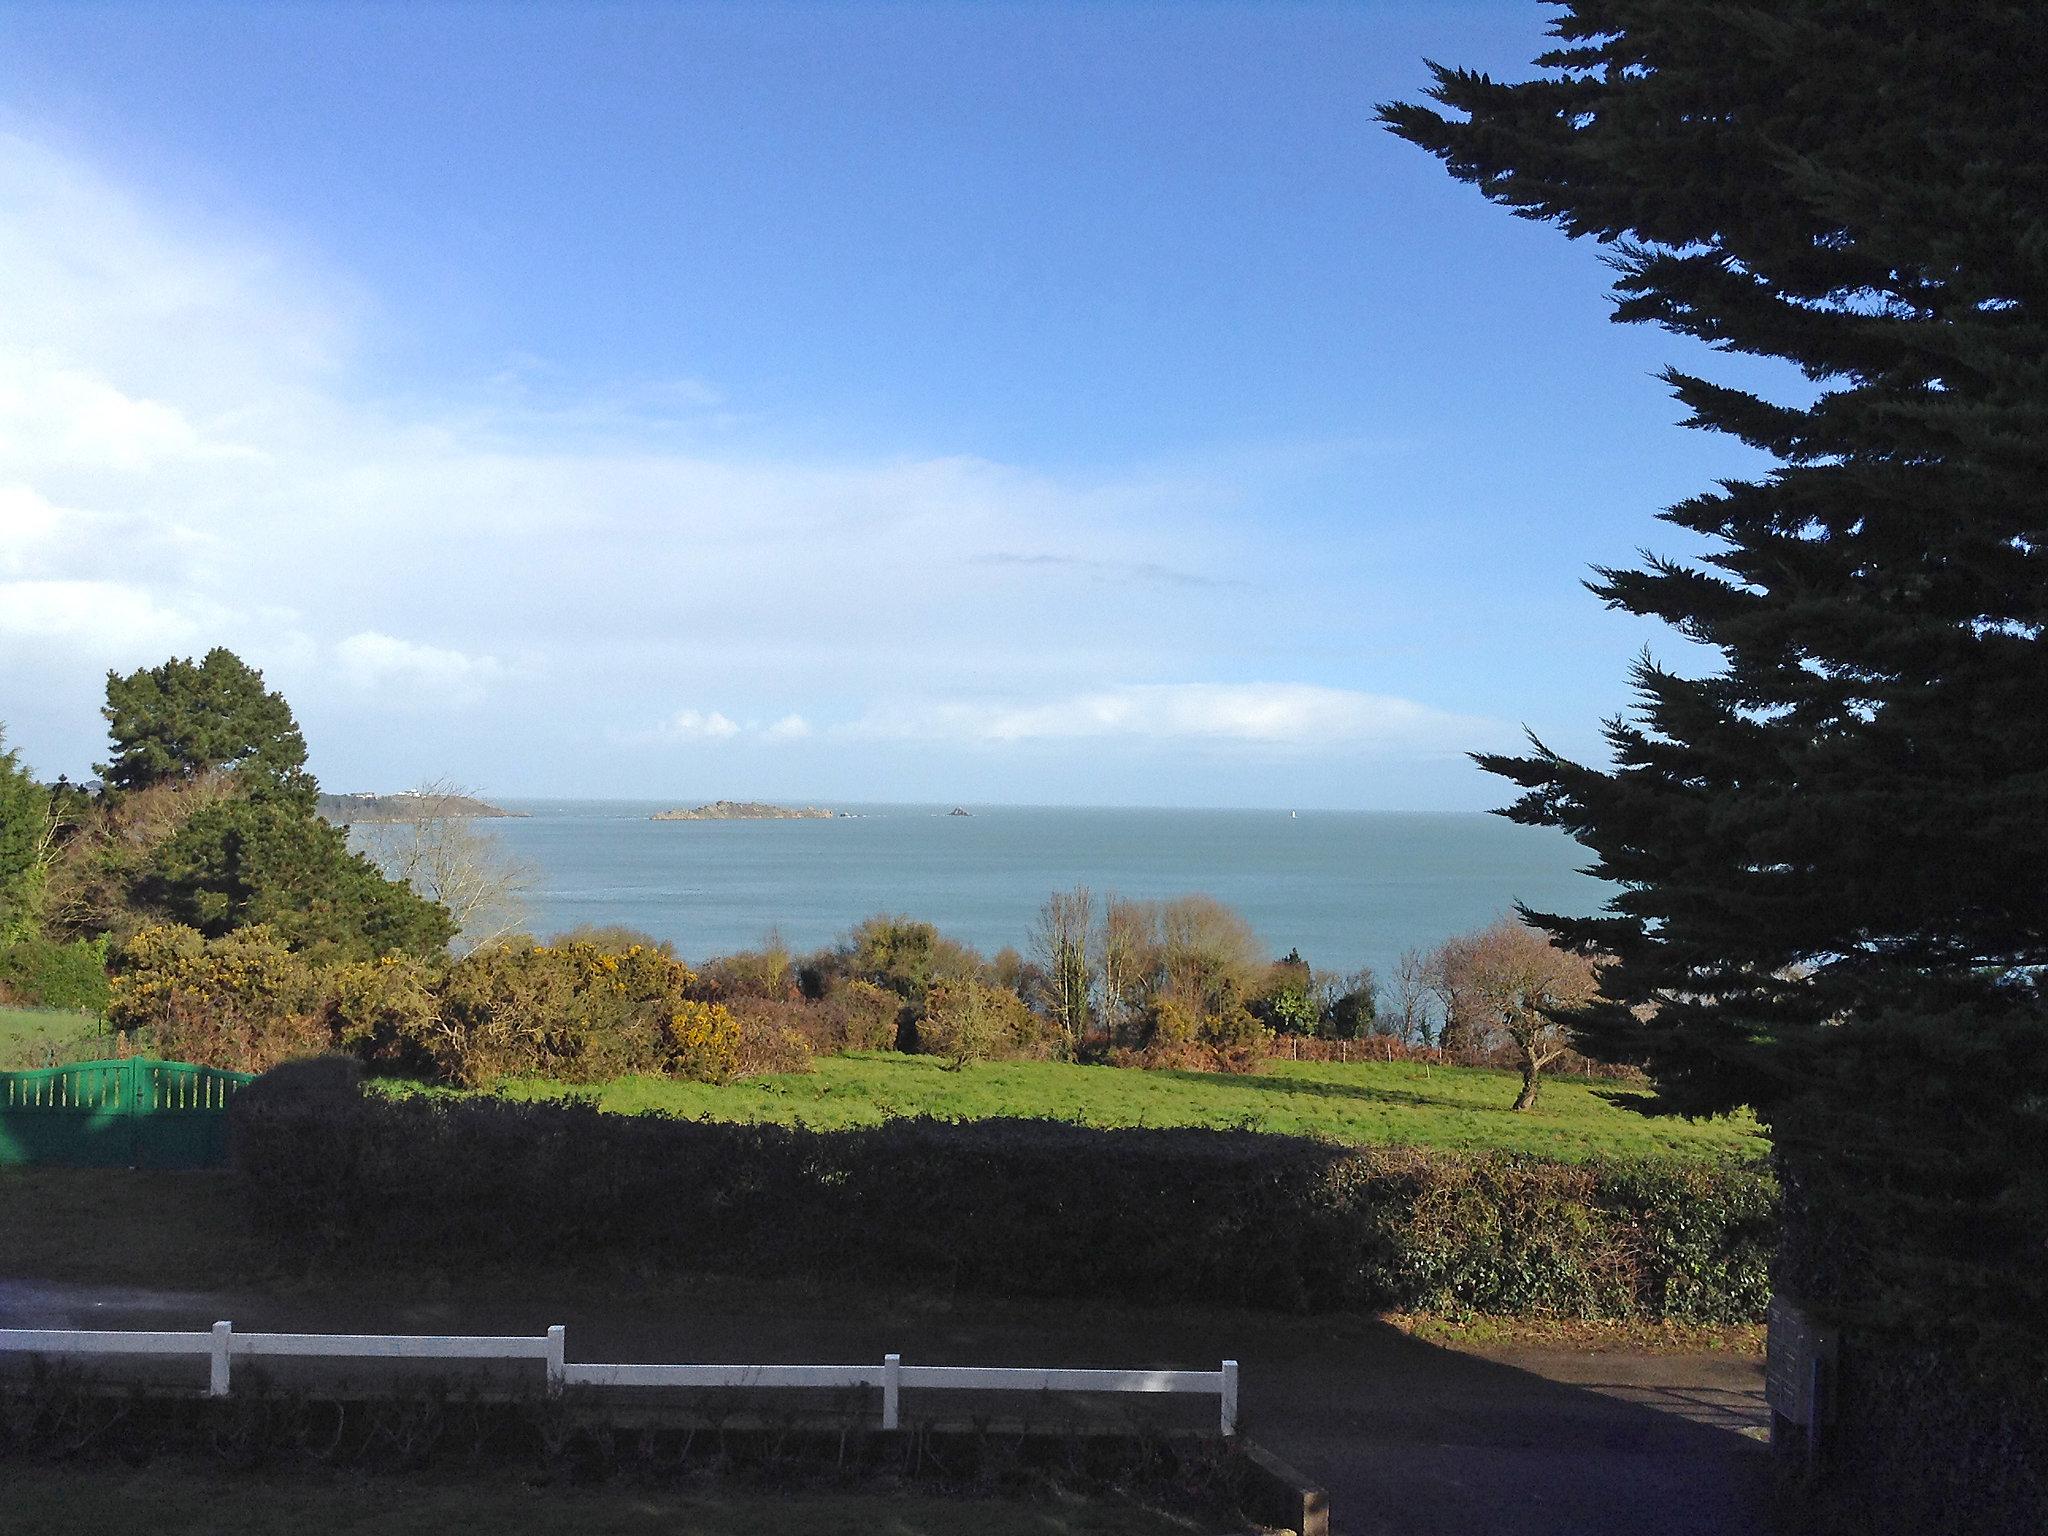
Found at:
[576, 1013]
[243, 1001]
[1015, 1207]
[971, 1021]
[41, 972]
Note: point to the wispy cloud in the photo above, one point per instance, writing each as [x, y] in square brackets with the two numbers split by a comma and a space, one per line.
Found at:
[1111, 571]
[1277, 714]
[407, 673]
[697, 725]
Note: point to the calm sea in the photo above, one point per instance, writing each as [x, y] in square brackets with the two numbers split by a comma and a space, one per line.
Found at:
[1346, 888]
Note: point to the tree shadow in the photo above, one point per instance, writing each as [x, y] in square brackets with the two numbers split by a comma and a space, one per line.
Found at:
[1317, 1088]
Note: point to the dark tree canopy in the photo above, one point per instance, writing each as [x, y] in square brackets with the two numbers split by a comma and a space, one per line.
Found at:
[240, 862]
[24, 843]
[185, 718]
[1832, 850]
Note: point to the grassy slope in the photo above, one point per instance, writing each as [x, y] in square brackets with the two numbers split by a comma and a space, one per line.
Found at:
[1453, 1107]
[195, 1500]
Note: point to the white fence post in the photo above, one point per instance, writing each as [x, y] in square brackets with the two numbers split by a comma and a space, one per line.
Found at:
[217, 1381]
[1229, 1397]
[557, 1371]
[892, 1381]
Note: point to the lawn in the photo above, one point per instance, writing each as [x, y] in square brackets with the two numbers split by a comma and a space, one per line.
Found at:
[170, 1499]
[29, 1035]
[1361, 1102]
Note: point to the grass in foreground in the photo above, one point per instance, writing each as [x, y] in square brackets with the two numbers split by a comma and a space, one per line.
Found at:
[170, 1499]
[1460, 1108]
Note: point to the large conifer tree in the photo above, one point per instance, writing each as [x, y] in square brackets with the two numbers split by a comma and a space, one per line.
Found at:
[1832, 852]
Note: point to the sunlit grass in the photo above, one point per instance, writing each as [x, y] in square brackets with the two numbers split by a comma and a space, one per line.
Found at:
[1364, 1102]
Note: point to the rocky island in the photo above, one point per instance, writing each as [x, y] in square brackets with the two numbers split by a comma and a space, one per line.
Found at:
[747, 810]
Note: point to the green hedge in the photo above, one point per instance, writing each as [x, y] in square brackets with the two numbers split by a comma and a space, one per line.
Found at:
[51, 975]
[1015, 1207]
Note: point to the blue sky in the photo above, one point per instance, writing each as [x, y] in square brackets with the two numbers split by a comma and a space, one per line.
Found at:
[1038, 403]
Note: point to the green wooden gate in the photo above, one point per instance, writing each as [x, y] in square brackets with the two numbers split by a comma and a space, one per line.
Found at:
[117, 1114]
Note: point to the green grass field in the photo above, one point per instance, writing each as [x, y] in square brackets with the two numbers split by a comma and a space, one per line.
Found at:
[1361, 1102]
[168, 1499]
[26, 1032]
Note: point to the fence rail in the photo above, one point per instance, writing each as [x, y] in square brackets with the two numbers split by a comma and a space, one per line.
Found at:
[221, 1346]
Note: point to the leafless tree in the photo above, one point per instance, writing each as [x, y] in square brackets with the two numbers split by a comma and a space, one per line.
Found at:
[1408, 998]
[1059, 938]
[1508, 984]
[1123, 949]
[443, 854]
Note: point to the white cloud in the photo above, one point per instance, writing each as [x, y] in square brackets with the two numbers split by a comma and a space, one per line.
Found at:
[28, 525]
[1270, 714]
[193, 453]
[696, 725]
[104, 619]
[405, 672]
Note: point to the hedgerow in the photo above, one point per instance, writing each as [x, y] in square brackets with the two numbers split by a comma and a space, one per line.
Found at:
[1015, 1207]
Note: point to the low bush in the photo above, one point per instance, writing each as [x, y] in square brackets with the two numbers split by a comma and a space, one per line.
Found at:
[243, 1001]
[41, 973]
[1013, 1207]
[971, 1021]
[577, 1013]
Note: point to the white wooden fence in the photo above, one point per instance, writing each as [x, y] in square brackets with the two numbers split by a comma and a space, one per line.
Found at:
[221, 1346]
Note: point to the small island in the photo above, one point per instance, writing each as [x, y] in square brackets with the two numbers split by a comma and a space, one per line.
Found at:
[364, 808]
[747, 810]
[959, 810]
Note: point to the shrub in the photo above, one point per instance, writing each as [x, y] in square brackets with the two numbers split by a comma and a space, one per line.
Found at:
[242, 1001]
[577, 1013]
[42, 972]
[384, 1012]
[864, 1017]
[767, 1043]
[1016, 1207]
[971, 1021]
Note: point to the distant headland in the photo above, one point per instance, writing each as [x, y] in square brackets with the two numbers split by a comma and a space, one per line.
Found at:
[747, 810]
[406, 805]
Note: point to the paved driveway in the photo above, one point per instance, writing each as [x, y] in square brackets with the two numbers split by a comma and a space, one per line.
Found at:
[1410, 1438]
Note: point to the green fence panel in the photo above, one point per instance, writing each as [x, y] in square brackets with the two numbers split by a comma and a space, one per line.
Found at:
[137, 1113]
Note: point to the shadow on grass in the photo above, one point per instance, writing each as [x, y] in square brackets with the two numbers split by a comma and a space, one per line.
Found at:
[1321, 1089]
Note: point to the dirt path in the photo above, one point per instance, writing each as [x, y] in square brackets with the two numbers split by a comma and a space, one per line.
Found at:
[1412, 1439]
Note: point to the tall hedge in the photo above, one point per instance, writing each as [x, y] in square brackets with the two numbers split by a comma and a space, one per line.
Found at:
[1013, 1207]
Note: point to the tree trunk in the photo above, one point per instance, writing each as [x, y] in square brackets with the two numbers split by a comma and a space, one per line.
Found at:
[1530, 1082]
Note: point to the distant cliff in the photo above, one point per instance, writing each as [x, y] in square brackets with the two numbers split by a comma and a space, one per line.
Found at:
[747, 810]
[365, 809]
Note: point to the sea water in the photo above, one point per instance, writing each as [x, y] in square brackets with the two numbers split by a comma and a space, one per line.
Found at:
[1346, 889]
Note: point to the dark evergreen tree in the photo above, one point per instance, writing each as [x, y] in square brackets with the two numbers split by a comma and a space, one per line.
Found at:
[1832, 852]
[185, 718]
[24, 845]
[238, 842]
[240, 862]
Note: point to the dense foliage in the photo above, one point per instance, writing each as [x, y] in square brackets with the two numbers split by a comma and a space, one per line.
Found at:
[47, 974]
[206, 819]
[1830, 848]
[1014, 1207]
[571, 1012]
[186, 719]
[25, 835]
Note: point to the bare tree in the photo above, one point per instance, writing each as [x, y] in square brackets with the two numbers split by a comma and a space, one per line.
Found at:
[1508, 984]
[439, 850]
[1208, 951]
[1408, 998]
[1124, 941]
[1059, 938]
